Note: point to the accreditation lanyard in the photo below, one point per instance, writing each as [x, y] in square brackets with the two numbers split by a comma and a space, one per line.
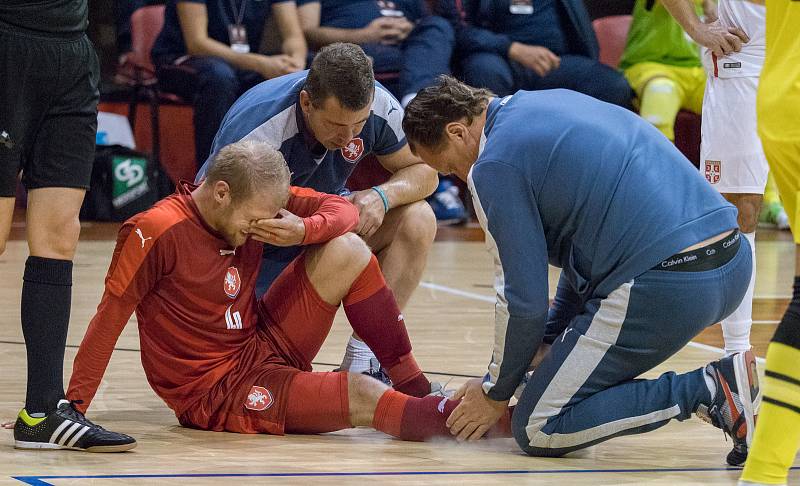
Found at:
[237, 33]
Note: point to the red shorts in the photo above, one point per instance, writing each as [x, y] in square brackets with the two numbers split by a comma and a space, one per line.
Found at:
[273, 390]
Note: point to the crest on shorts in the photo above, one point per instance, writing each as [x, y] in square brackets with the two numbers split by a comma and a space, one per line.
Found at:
[353, 150]
[232, 282]
[713, 171]
[258, 399]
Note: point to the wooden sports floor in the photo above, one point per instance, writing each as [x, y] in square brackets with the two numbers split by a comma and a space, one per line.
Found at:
[449, 320]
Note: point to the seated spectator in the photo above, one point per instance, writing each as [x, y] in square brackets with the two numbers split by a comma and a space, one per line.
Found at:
[216, 45]
[662, 65]
[400, 36]
[123, 9]
[508, 45]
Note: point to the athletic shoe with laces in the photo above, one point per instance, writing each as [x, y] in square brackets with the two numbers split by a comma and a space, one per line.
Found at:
[733, 407]
[66, 428]
[376, 371]
[439, 390]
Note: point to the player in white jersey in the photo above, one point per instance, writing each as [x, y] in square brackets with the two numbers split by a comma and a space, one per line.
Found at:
[732, 158]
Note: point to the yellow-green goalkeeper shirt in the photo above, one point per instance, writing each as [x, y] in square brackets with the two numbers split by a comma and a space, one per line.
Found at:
[655, 36]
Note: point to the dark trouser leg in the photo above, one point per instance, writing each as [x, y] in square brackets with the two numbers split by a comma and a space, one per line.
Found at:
[583, 75]
[386, 60]
[490, 71]
[213, 86]
[585, 391]
[426, 54]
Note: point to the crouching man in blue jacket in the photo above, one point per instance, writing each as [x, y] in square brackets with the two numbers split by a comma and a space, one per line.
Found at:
[650, 256]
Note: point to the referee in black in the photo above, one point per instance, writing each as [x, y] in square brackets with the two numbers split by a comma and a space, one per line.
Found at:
[49, 75]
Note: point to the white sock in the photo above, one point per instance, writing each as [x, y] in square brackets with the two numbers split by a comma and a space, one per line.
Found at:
[710, 384]
[357, 356]
[407, 99]
[736, 327]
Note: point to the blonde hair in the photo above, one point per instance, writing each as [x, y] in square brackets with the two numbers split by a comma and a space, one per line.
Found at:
[250, 167]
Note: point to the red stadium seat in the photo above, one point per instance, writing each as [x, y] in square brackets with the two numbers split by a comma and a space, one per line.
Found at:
[136, 70]
[612, 33]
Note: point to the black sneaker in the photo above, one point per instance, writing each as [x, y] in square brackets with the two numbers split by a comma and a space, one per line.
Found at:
[66, 428]
[733, 408]
[376, 371]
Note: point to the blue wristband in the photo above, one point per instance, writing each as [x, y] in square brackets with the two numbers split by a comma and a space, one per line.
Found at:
[383, 198]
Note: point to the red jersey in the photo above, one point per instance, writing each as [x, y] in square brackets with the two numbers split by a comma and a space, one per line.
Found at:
[193, 295]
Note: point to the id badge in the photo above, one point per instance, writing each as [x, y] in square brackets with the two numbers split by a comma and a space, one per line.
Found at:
[389, 9]
[237, 33]
[521, 7]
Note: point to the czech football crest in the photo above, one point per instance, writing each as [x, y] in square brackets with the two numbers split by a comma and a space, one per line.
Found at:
[353, 150]
[232, 282]
[258, 399]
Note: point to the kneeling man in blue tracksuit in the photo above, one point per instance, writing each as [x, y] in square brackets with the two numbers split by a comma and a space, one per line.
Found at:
[650, 256]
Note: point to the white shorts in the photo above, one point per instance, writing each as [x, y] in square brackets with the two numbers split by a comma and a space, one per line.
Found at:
[731, 156]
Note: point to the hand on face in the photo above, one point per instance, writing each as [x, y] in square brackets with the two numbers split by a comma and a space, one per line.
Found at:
[285, 230]
[370, 211]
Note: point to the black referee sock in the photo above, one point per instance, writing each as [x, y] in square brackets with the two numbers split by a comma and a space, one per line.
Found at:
[46, 302]
[788, 331]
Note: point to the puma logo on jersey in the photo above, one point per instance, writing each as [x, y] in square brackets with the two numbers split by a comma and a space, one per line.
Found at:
[139, 232]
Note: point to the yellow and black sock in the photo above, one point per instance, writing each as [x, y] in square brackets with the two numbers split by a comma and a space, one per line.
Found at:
[777, 435]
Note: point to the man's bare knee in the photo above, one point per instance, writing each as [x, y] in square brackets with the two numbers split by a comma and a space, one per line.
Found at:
[334, 266]
[57, 242]
[52, 221]
[363, 393]
[418, 224]
[346, 252]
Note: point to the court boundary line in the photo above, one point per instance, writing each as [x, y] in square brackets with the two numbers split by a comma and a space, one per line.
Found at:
[40, 480]
[486, 298]
[467, 295]
[315, 363]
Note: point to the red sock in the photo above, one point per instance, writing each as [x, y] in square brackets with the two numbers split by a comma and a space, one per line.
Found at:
[420, 419]
[375, 317]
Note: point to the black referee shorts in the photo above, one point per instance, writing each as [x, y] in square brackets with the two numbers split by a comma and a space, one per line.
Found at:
[48, 109]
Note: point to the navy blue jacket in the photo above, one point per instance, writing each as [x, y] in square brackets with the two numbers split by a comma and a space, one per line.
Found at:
[481, 26]
[567, 180]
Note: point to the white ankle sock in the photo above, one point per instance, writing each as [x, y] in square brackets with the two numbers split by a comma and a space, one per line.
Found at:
[736, 327]
[710, 384]
[357, 356]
